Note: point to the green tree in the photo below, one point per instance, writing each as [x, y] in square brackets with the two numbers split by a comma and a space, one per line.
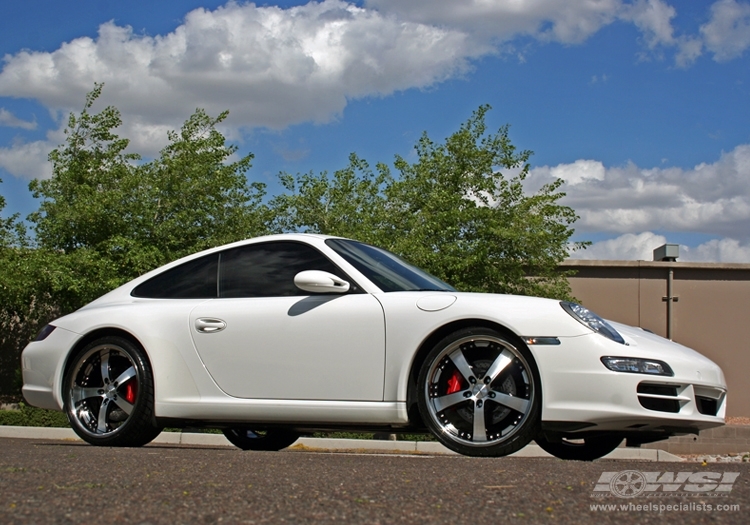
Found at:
[12, 232]
[351, 203]
[196, 197]
[138, 216]
[460, 211]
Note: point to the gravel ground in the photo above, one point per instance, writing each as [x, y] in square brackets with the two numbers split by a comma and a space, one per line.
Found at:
[742, 457]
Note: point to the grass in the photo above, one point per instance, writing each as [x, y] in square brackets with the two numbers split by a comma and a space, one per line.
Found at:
[28, 416]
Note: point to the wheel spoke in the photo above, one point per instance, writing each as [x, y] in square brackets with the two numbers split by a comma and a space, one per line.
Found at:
[443, 402]
[124, 405]
[104, 358]
[518, 404]
[461, 364]
[501, 363]
[80, 393]
[101, 425]
[480, 429]
[125, 376]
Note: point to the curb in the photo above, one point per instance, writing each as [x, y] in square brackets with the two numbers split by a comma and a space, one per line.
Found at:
[331, 445]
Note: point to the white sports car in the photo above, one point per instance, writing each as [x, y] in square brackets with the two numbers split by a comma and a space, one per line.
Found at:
[278, 336]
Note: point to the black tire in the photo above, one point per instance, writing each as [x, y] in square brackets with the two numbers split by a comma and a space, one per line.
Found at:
[479, 375]
[586, 449]
[272, 439]
[109, 394]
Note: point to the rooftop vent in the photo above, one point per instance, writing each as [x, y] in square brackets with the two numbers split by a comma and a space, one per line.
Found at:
[667, 252]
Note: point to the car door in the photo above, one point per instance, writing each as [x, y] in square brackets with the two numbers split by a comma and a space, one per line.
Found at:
[265, 338]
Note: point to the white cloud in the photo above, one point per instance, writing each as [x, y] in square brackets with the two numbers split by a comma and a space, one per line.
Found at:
[727, 34]
[273, 67]
[653, 18]
[710, 198]
[9, 119]
[558, 20]
[717, 250]
[640, 247]
[270, 66]
[27, 160]
[628, 247]
[580, 171]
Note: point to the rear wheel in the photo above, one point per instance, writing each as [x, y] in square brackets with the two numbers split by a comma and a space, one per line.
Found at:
[586, 449]
[109, 394]
[478, 392]
[272, 439]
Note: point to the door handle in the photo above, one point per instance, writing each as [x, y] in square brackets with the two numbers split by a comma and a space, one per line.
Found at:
[209, 325]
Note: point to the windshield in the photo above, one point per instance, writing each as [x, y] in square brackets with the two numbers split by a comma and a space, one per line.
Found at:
[386, 270]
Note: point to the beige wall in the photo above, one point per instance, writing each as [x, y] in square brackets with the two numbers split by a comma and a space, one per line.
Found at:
[711, 313]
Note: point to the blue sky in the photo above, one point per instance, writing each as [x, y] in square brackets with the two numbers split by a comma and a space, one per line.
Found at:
[642, 107]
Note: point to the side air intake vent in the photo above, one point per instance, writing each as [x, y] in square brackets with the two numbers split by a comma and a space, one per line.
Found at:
[660, 398]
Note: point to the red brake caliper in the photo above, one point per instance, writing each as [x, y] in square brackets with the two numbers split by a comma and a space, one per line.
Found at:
[131, 389]
[454, 383]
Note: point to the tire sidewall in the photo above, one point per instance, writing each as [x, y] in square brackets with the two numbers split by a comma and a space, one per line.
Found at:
[135, 430]
[531, 423]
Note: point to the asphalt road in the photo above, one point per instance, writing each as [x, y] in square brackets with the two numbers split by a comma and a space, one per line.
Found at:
[70, 482]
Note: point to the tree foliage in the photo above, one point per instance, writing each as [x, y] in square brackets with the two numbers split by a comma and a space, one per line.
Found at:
[460, 211]
[141, 215]
[350, 204]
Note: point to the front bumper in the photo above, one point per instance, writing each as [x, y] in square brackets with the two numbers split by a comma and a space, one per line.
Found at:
[580, 395]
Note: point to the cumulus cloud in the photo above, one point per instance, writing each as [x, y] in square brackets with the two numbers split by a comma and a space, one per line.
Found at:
[709, 198]
[727, 34]
[271, 67]
[641, 246]
[9, 119]
[27, 159]
[717, 250]
[628, 247]
[653, 18]
[563, 21]
[274, 67]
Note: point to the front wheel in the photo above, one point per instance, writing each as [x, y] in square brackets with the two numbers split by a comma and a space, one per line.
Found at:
[479, 393]
[586, 449]
[109, 394]
[272, 439]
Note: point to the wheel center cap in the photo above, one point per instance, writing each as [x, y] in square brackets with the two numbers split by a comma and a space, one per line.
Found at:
[479, 391]
[110, 390]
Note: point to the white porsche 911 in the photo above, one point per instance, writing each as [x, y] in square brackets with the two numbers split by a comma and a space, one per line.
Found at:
[278, 336]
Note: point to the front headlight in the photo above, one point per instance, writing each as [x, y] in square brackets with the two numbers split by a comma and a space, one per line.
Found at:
[588, 318]
[635, 365]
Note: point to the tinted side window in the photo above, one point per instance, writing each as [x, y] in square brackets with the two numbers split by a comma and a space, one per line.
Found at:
[268, 270]
[191, 280]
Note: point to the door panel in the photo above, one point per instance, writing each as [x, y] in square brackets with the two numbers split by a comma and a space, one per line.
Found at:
[324, 347]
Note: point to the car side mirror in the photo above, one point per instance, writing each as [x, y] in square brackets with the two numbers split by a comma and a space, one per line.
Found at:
[317, 281]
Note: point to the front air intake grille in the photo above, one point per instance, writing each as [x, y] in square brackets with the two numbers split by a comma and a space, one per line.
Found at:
[660, 398]
[660, 405]
[658, 390]
[706, 405]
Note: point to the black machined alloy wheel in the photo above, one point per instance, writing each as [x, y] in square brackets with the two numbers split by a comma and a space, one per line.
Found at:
[109, 394]
[269, 440]
[586, 449]
[479, 393]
